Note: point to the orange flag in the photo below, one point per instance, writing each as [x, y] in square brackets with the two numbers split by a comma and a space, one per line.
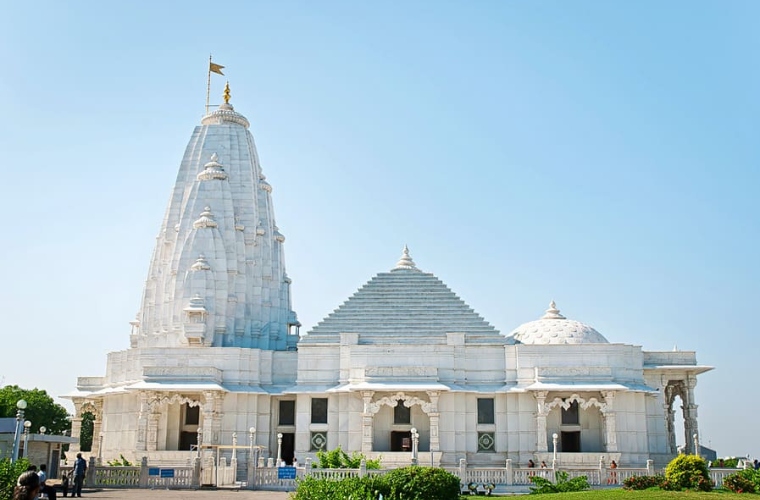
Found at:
[215, 68]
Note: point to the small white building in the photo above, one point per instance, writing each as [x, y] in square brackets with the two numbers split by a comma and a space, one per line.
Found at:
[215, 351]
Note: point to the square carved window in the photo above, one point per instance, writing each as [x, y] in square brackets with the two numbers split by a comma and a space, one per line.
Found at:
[318, 410]
[486, 442]
[192, 414]
[402, 414]
[485, 411]
[571, 416]
[318, 441]
[287, 413]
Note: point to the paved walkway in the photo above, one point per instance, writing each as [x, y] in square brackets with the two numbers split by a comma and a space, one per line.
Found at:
[182, 495]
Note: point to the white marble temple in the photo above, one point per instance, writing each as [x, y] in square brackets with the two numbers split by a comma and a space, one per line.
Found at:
[215, 351]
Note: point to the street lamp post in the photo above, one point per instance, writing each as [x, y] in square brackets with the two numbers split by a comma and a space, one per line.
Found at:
[100, 448]
[43, 429]
[696, 444]
[279, 448]
[27, 425]
[20, 407]
[415, 443]
[554, 450]
[252, 440]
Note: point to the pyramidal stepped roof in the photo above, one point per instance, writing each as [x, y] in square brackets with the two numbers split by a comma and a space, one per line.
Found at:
[404, 305]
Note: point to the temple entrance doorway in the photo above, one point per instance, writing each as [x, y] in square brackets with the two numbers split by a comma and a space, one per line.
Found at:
[571, 442]
[288, 447]
[401, 441]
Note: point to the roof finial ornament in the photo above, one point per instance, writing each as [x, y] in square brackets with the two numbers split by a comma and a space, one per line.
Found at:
[405, 262]
[552, 312]
[227, 94]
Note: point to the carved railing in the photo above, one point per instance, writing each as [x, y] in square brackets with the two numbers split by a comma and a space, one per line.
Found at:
[116, 477]
[268, 478]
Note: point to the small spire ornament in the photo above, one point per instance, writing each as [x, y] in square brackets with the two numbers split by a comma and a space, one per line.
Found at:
[227, 94]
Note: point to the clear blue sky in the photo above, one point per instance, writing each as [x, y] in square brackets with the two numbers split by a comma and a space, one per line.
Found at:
[602, 154]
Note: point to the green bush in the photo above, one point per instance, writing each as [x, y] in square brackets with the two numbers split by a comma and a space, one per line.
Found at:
[120, 462]
[9, 473]
[643, 482]
[409, 483]
[687, 472]
[745, 481]
[356, 488]
[339, 459]
[422, 483]
[562, 484]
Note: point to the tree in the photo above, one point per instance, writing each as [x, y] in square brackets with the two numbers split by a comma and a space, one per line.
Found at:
[41, 410]
[85, 434]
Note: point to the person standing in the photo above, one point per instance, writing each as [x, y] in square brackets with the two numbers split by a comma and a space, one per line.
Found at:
[44, 488]
[80, 468]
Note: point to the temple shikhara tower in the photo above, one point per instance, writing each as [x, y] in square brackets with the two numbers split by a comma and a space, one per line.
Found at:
[215, 354]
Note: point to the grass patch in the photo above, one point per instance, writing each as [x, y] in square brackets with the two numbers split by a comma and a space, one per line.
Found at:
[621, 494]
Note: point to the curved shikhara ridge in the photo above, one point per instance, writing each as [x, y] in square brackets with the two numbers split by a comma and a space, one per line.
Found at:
[217, 276]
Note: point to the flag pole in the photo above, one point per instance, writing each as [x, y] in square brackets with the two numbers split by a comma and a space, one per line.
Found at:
[208, 83]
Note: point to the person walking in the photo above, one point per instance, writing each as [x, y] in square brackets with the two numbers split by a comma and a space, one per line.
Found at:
[27, 486]
[44, 487]
[80, 468]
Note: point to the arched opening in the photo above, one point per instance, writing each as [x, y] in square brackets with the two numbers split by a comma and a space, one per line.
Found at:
[87, 429]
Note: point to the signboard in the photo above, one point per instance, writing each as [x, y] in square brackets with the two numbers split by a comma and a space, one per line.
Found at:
[153, 471]
[286, 473]
[167, 473]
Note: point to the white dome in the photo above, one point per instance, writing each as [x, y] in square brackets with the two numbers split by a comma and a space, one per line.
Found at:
[553, 328]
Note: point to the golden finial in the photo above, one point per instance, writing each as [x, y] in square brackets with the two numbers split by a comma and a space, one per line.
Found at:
[227, 94]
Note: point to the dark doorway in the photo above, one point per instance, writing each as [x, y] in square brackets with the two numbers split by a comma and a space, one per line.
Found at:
[187, 440]
[401, 441]
[288, 447]
[571, 442]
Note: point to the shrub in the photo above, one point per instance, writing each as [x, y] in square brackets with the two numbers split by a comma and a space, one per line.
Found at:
[687, 472]
[409, 483]
[356, 488]
[120, 462]
[9, 473]
[746, 481]
[562, 484]
[422, 483]
[643, 482]
[339, 459]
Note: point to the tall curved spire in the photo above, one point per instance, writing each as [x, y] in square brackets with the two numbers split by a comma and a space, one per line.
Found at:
[217, 275]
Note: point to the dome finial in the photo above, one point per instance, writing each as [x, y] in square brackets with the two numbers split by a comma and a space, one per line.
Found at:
[227, 94]
[552, 312]
[405, 262]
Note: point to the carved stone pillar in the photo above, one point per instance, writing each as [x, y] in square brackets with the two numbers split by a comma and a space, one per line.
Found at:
[76, 426]
[152, 439]
[690, 416]
[96, 441]
[610, 422]
[670, 425]
[367, 420]
[212, 417]
[142, 422]
[541, 413]
[433, 415]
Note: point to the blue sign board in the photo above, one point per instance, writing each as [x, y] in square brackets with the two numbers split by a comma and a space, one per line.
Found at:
[167, 472]
[286, 473]
[153, 471]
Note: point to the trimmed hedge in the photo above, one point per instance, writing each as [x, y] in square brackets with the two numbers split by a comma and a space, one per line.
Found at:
[408, 483]
[687, 472]
[745, 481]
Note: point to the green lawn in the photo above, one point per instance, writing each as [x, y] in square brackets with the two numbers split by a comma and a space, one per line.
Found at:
[621, 494]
